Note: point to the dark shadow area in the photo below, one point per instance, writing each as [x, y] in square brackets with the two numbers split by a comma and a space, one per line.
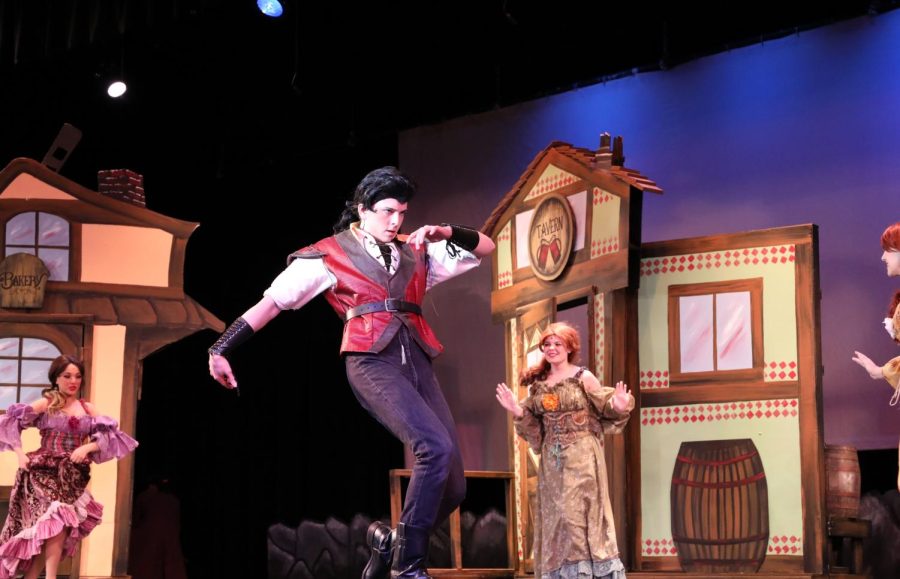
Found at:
[880, 504]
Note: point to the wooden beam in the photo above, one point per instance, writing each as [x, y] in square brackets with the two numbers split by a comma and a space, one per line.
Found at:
[775, 236]
[624, 365]
[812, 431]
[132, 374]
[612, 270]
[720, 392]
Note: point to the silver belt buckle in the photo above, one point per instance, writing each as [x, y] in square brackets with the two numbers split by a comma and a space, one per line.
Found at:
[388, 308]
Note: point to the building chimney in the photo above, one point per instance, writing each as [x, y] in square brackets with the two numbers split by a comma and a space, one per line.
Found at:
[604, 143]
[603, 156]
[618, 152]
[122, 184]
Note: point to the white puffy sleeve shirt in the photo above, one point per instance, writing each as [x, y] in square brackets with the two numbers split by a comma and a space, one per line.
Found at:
[306, 278]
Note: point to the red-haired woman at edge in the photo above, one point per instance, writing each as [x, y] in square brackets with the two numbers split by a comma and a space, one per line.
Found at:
[890, 243]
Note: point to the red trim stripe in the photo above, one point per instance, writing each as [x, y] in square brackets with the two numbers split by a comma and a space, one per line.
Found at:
[737, 541]
[690, 460]
[724, 562]
[719, 485]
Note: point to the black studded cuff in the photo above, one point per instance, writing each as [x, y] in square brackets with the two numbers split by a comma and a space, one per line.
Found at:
[236, 334]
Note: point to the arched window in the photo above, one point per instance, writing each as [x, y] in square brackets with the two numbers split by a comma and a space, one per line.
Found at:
[24, 363]
[44, 235]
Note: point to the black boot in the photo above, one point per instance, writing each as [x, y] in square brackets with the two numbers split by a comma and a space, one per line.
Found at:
[379, 538]
[409, 552]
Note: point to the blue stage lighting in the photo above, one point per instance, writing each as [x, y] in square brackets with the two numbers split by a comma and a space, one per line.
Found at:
[271, 8]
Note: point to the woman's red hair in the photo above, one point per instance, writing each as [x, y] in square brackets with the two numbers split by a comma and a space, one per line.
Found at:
[890, 239]
[569, 337]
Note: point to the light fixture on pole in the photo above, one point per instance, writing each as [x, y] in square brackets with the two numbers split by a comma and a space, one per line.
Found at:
[117, 86]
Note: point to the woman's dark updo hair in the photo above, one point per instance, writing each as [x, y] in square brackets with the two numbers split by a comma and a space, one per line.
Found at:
[55, 399]
[383, 183]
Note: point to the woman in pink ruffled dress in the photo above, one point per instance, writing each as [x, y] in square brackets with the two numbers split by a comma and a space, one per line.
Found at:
[50, 510]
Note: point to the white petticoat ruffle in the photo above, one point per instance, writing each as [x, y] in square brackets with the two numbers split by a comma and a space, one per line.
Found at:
[608, 569]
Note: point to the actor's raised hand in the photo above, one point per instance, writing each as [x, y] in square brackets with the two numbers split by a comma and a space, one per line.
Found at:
[428, 233]
[621, 397]
[508, 400]
[873, 369]
[220, 370]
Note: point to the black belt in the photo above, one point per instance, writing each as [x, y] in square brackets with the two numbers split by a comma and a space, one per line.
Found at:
[388, 305]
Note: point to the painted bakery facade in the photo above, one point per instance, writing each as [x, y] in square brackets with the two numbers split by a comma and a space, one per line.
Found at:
[95, 274]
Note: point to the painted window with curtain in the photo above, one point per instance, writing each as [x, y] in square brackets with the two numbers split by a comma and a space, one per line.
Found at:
[24, 363]
[44, 235]
[715, 331]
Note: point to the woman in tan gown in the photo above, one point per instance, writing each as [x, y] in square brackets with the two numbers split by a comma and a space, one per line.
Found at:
[564, 418]
[890, 243]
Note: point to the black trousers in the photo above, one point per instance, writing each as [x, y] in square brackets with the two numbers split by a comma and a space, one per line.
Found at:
[398, 387]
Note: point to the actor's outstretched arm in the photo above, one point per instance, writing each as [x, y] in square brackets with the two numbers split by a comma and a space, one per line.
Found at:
[262, 313]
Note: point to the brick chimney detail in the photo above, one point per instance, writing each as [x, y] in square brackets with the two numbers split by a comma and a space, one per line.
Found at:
[122, 184]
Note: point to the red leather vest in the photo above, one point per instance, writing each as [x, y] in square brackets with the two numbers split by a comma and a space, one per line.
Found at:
[362, 280]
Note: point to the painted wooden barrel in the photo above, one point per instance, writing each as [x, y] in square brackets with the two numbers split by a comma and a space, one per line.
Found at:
[843, 480]
[720, 507]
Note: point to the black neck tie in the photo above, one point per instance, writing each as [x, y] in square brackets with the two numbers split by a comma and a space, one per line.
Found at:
[385, 254]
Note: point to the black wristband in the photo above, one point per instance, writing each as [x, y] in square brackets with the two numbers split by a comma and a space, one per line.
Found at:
[464, 237]
[236, 334]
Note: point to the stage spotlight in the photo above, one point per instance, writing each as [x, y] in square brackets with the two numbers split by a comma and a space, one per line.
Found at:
[116, 89]
[271, 8]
